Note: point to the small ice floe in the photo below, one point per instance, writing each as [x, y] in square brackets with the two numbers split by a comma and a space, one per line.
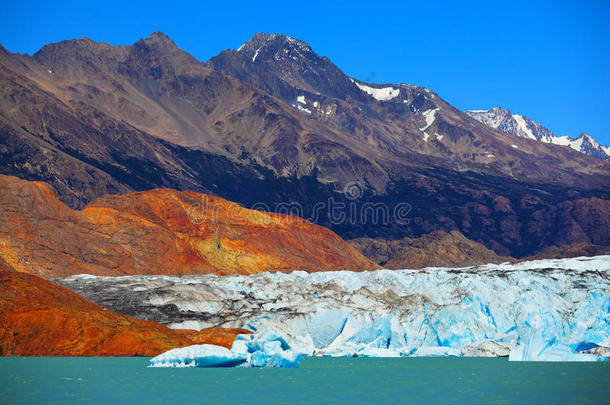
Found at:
[199, 356]
[268, 350]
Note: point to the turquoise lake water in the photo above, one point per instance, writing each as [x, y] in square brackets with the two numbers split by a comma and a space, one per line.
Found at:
[317, 381]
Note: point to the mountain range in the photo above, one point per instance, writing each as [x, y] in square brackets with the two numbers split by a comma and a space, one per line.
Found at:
[515, 124]
[273, 124]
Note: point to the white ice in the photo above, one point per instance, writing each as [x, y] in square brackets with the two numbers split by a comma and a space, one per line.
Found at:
[199, 356]
[262, 350]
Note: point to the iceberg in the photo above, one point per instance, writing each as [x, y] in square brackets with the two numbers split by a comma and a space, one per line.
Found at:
[545, 310]
[199, 356]
[247, 351]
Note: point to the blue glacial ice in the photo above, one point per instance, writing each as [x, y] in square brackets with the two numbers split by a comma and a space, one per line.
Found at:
[547, 310]
[199, 356]
[247, 351]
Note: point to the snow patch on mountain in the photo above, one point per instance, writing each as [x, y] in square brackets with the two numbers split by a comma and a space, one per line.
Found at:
[429, 116]
[381, 94]
[302, 109]
[256, 54]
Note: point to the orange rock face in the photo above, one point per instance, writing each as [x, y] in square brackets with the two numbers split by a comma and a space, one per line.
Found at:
[39, 318]
[161, 231]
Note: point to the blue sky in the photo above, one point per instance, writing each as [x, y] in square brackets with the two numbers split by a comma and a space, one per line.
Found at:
[546, 60]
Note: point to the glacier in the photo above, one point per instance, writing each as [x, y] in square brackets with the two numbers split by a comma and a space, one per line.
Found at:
[545, 310]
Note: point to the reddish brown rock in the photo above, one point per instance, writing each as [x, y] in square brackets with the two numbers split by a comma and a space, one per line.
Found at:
[436, 249]
[574, 250]
[160, 231]
[39, 318]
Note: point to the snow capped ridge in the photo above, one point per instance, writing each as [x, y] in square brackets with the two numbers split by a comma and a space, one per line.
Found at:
[515, 124]
[271, 44]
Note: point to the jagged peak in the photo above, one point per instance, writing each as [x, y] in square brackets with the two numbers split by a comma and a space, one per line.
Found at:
[160, 47]
[263, 40]
[159, 35]
[520, 125]
[588, 138]
[157, 40]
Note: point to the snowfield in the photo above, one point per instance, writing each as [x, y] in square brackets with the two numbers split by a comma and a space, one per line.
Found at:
[547, 310]
[380, 94]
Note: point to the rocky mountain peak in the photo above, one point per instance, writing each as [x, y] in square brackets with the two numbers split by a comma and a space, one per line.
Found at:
[156, 56]
[292, 55]
[158, 41]
[521, 126]
[275, 42]
[285, 67]
[159, 36]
